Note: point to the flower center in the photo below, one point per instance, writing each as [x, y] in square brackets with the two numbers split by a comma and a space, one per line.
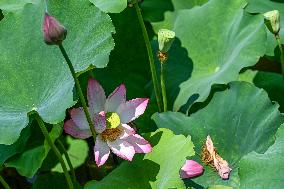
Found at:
[111, 134]
[112, 120]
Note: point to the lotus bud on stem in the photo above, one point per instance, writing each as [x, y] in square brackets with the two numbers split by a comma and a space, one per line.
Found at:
[54, 33]
[272, 22]
[165, 40]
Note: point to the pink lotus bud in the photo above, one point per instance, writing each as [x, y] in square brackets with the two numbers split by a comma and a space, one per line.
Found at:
[54, 33]
[191, 169]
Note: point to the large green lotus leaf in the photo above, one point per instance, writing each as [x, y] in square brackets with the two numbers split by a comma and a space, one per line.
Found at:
[158, 169]
[221, 39]
[110, 6]
[12, 5]
[36, 150]
[34, 76]
[52, 181]
[257, 6]
[78, 151]
[264, 170]
[239, 120]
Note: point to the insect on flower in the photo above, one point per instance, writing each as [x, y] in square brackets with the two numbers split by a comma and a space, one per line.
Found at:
[210, 156]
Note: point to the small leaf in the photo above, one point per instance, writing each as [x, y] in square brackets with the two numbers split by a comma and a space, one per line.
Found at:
[158, 169]
[36, 150]
[77, 151]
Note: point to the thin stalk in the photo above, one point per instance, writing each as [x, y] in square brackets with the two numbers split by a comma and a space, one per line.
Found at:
[63, 149]
[4, 183]
[281, 53]
[55, 150]
[79, 90]
[150, 56]
[163, 86]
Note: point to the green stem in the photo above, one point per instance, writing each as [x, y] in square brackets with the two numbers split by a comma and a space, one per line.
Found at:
[4, 183]
[79, 90]
[281, 53]
[163, 86]
[151, 57]
[63, 149]
[55, 150]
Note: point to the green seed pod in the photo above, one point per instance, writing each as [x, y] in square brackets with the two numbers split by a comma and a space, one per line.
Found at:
[165, 39]
[272, 21]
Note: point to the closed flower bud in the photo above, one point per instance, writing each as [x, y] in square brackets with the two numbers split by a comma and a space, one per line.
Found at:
[165, 39]
[272, 21]
[191, 169]
[54, 33]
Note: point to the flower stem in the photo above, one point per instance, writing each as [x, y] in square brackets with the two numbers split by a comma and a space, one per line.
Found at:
[63, 149]
[150, 56]
[281, 53]
[4, 183]
[55, 150]
[163, 86]
[79, 90]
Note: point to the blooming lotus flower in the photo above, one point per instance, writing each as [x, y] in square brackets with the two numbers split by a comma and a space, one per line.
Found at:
[110, 117]
[191, 169]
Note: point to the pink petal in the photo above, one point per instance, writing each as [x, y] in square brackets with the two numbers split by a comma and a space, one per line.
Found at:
[191, 169]
[117, 97]
[132, 109]
[127, 131]
[122, 149]
[79, 118]
[72, 129]
[139, 143]
[96, 96]
[101, 150]
[99, 122]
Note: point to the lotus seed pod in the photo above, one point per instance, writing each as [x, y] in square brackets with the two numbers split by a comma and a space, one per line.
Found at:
[53, 32]
[272, 21]
[165, 39]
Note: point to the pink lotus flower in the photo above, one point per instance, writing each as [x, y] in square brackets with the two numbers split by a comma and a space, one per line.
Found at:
[53, 32]
[110, 117]
[191, 169]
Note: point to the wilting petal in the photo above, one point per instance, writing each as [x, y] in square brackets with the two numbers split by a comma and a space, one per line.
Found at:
[72, 129]
[96, 96]
[139, 143]
[122, 149]
[132, 109]
[79, 118]
[117, 97]
[100, 122]
[101, 150]
[222, 167]
[209, 145]
[127, 131]
[191, 169]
